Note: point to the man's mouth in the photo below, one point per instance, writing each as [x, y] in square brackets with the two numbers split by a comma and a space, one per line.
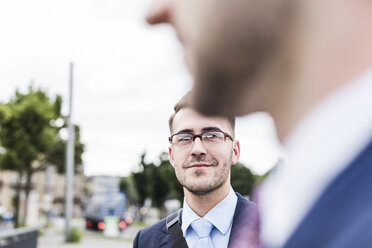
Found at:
[199, 165]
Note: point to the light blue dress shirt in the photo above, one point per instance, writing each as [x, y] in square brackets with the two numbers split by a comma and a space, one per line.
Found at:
[221, 216]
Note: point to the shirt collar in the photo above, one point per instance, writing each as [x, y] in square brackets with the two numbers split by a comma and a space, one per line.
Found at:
[220, 216]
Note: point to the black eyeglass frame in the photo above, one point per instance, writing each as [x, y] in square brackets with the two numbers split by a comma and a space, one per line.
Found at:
[194, 136]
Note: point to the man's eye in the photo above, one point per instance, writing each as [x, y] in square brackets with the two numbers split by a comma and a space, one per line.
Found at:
[210, 136]
[184, 138]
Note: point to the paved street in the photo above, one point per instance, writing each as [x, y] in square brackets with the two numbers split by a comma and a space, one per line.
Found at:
[53, 238]
[57, 242]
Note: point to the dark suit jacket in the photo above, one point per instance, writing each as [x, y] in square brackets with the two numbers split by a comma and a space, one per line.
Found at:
[342, 217]
[156, 235]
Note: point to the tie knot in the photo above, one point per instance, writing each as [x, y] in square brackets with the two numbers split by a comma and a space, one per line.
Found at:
[202, 227]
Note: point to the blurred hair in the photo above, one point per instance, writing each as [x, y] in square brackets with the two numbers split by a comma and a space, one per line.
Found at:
[187, 102]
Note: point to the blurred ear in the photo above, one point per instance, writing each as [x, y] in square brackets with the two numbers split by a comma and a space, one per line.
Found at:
[170, 155]
[235, 152]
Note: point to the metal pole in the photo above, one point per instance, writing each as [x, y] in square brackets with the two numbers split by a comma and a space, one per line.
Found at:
[69, 164]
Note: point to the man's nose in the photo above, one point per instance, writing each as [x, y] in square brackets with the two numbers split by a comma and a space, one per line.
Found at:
[159, 12]
[198, 147]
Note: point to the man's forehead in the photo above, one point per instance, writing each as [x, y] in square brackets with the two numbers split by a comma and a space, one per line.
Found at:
[189, 119]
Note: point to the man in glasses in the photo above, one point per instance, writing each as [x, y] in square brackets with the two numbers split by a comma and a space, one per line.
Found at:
[309, 64]
[202, 151]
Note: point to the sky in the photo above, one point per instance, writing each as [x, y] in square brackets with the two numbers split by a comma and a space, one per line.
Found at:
[127, 78]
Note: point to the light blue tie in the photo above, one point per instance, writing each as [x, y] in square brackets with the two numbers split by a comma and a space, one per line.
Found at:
[202, 228]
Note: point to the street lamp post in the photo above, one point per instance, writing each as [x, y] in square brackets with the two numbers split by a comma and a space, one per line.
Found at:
[69, 164]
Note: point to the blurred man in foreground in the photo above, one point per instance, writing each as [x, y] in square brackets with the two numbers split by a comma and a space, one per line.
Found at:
[309, 64]
[202, 151]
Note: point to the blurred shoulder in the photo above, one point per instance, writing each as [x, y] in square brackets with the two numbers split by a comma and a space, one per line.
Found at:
[244, 202]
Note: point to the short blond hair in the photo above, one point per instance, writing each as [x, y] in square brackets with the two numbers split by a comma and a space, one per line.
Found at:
[187, 102]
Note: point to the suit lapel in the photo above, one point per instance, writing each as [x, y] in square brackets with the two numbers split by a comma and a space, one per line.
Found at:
[342, 216]
[245, 227]
[238, 214]
[164, 241]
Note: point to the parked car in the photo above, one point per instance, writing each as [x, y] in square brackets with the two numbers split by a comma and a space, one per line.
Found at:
[100, 206]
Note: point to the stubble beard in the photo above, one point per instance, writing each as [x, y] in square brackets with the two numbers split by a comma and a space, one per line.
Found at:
[205, 189]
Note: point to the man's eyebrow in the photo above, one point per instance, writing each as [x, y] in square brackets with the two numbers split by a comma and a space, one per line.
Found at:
[208, 129]
[185, 131]
[205, 129]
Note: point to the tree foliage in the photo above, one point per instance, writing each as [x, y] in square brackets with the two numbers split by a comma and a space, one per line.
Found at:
[57, 156]
[29, 137]
[25, 131]
[175, 190]
[26, 134]
[242, 179]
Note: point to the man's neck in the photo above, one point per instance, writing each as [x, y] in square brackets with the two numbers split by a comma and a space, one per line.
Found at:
[202, 204]
[322, 65]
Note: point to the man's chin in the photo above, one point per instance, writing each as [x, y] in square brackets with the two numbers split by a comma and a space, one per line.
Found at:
[210, 105]
[200, 191]
[215, 98]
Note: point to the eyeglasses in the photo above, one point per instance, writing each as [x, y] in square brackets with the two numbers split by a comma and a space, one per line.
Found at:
[208, 138]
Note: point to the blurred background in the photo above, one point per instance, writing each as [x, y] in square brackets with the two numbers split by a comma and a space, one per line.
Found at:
[127, 78]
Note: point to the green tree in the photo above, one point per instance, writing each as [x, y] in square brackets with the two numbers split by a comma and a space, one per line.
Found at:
[57, 156]
[126, 185]
[27, 135]
[167, 172]
[158, 186]
[242, 179]
[150, 183]
[141, 181]
[154, 181]
[30, 138]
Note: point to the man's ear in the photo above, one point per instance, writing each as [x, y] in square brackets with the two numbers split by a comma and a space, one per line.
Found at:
[170, 155]
[235, 152]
